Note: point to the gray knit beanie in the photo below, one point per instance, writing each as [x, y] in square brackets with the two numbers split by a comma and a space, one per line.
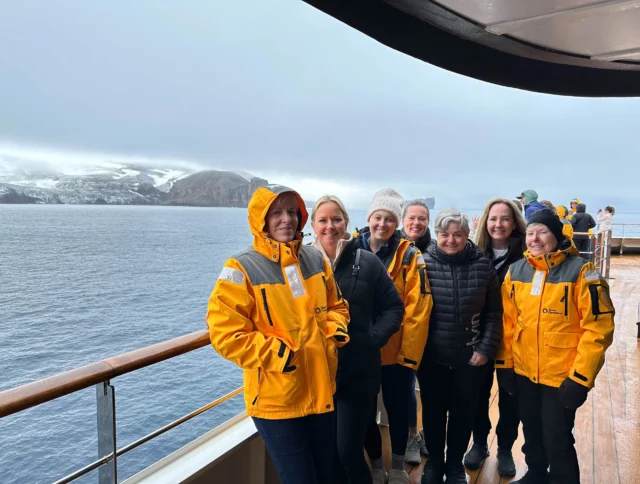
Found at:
[387, 199]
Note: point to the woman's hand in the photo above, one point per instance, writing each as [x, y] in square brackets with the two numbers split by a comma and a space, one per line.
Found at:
[478, 360]
[475, 221]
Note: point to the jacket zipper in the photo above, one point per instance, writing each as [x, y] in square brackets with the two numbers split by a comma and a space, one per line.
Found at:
[513, 292]
[266, 306]
[258, 390]
[566, 300]
[325, 283]
[455, 299]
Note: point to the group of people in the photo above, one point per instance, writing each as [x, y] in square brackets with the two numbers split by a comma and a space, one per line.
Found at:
[578, 224]
[321, 328]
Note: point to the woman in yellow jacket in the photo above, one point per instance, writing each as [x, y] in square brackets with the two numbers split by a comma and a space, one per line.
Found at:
[403, 352]
[558, 323]
[277, 313]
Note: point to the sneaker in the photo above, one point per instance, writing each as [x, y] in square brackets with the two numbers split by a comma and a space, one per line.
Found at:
[433, 472]
[423, 446]
[506, 466]
[533, 478]
[412, 454]
[476, 456]
[398, 476]
[456, 474]
[379, 476]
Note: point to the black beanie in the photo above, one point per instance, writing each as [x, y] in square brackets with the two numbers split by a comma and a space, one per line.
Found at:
[549, 218]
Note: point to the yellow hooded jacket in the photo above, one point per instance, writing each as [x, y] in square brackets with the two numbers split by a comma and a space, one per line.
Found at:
[408, 271]
[273, 300]
[558, 319]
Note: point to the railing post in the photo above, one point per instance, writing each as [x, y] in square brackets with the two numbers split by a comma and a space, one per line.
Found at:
[106, 410]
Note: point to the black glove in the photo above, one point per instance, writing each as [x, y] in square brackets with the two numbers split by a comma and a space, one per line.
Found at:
[288, 366]
[572, 395]
[507, 380]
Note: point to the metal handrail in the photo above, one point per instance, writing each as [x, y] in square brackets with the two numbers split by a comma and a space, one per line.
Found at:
[47, 389]
[99, 373]
[129, 447]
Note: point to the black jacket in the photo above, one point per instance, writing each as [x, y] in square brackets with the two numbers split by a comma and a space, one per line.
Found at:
[467, 306]
[422, 243]
[515, 253]
[582, 221]
[376, 312]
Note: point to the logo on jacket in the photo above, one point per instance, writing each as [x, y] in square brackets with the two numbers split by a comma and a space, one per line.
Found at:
[551, 311]
[321, 309]
[475, 329]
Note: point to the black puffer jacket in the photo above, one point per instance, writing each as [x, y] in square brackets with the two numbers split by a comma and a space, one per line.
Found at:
[467, 306]
[376, 312]
[582, 221]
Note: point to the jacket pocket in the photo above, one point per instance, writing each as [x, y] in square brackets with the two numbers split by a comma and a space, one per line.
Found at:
[515, 346]
[560, 350]
[252, 385]
[277, 314]
[280, 391]
[332, 360]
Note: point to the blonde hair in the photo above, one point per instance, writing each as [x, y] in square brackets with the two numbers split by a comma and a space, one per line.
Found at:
[326, 199]
[483, 239]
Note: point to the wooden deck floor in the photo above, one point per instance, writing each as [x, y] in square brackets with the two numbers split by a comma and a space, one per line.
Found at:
[607, 427]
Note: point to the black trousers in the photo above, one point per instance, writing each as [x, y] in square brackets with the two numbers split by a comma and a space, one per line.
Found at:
[548, 437]
[354, 413]
[451, 392]
[507, 429]
[395, 381]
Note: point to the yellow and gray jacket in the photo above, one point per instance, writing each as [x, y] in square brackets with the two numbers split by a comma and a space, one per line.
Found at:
[407, 270]
[558, 319]
[277, 305]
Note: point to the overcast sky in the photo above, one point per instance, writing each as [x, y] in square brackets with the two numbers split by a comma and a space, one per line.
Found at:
[284, 91]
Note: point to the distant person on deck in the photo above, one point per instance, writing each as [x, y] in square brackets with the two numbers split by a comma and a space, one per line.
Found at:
[277, 313]
[376, 311]
[550, 357]
[529, 199]
[582, 222]
[605, 219]
[567, 228]
[402, 355]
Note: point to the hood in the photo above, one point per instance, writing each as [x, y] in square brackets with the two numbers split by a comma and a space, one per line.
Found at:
[422, 243]
[581, 207]
[562, 211]
[577, 200]
[529, 196]
[470, 253]
[259, 205]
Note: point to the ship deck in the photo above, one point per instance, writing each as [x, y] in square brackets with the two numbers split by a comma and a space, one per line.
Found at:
[607, 429]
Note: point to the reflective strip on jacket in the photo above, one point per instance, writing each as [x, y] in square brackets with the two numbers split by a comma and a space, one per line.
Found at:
[273, 299]
[558, 319]
[407, 269]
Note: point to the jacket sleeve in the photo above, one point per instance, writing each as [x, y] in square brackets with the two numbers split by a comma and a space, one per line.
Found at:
[596, 320]
[232, 332]
[492, 318]
[389, 306]
[417, 311]
[337, 309]
[504, 357]
[592, 223]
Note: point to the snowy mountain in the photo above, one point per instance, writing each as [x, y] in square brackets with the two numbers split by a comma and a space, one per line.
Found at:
[117, 183]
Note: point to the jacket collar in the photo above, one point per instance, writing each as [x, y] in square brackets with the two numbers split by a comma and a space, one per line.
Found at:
[548, 261]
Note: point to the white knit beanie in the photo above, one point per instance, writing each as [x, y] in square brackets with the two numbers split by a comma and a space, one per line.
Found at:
[387, 199]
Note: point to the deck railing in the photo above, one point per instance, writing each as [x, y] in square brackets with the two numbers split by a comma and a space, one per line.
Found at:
[598, 251]
[99, 374]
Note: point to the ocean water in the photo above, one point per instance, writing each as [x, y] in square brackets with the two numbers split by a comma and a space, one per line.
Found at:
[82, 283]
